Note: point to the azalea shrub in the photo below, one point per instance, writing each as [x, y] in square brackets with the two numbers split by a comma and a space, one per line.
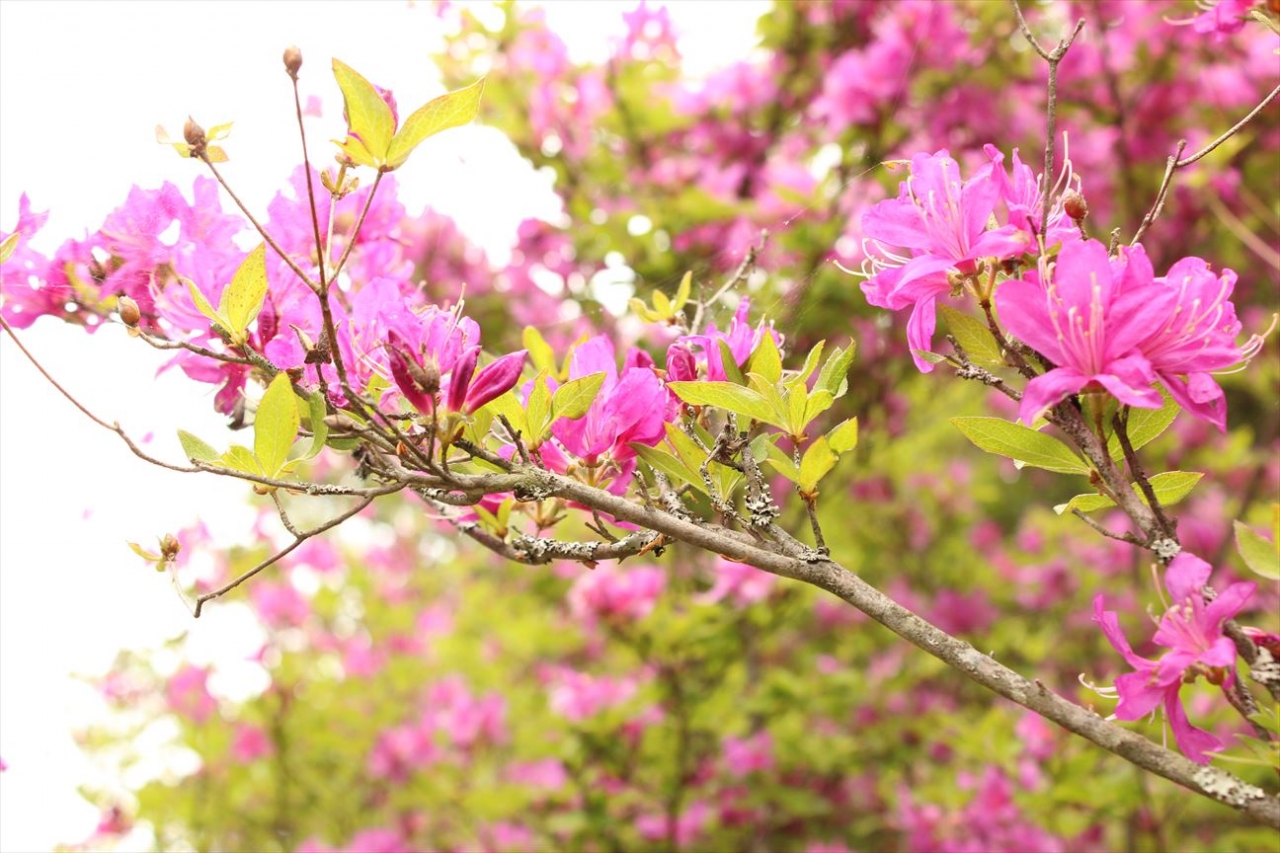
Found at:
[538, 570]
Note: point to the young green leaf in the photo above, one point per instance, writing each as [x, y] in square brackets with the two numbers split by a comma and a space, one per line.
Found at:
[797, 405]
[682, 292]
[8, 245]
[370, 119]
[242, 298]
[783, 464]
[844, 437]
[834, 374]
[676, 470]
[276, 425]
[319, 429]
[540, 352]
[195, 448]
[451, 109]
[538, 410]
[725, 395]
[810, 365]
[819, 401]
[241, 458]
[766, 360]
[573, 399]
[662, 305]
[730, 365]
[1170, 487]
[974, 336]
[1145, 425]
[203, 305]
[1024, 445]
[816, 463]
[1262, 557]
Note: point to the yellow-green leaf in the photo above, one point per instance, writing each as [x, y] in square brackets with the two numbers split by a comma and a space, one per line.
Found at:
[1145, 425]
[540, 352]
[538, 410]
[682, 292]
[729, 363]
[573, 399]
[276, 425]
[797, 404]
[204, 306]
[766, 360]
[844, 437]
[1170, 487]
[675, 469]
[449, 110]
[724, 395]
[662, 305]
[1262, 557]
[319, 429]
[242, 298]
[241, 458]
[195, 448]
[10, 243]
[834, 374]
[973, 335]
[816, 463]
[1003, 438]
[370, 119]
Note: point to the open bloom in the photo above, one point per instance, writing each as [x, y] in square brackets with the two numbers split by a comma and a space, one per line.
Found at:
[941, 222]
[1192, 630]
[1196, 336]
[1076, 315]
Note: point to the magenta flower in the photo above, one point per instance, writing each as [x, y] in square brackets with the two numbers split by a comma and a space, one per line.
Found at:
[617, 593]
[942, 224]
[1197, 335]
[631, 406]
[1079, 318]
[691, 352]
[1023, 195]
[1192, 630]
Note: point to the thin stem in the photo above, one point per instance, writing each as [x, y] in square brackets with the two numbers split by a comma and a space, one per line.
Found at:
[112, 427]
[355, 233]
[1054, 58]
[270, 241]
[1176, 161]
[311, 192]
[279, 555]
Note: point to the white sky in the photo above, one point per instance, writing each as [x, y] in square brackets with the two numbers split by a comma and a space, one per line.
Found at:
[82, 86]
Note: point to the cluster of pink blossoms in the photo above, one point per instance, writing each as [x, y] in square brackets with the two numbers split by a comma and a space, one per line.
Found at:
[1192, 631]
[1105, 324]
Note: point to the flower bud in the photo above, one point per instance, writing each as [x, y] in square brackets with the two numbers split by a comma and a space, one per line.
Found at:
[1075, 206]
[130, 314]
[292, 60]
[194, 134]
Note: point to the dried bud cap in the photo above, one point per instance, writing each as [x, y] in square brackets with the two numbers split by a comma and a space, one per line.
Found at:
[169, 546]
[292, 60]
[193, 133]
[130, 314]
[1075, 206]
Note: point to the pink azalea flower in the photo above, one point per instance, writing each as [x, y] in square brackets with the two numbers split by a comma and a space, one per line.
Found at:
[249, 743]
[1192, 630]
[1079, 318]
[1223, 17]
[1196, 336]
[744, 585]
[631, 406]
[941, 223]
[188, 693]
[1023, 195]
[609, 592]
[692, 354]
[577, 695]
[689, 825]
[743, 756]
